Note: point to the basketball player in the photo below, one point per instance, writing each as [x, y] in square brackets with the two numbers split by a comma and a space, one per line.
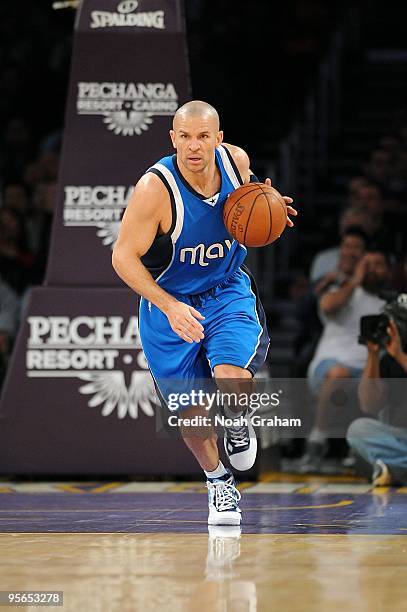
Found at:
[199, 313]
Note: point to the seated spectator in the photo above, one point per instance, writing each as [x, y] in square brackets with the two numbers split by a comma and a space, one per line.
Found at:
[327, 260]
[371, 200]
[15, 260]
[9, 306]
[354, 187]
[325, 267]
[15, 196]
[343, 300]
[390, 144]
[378, 168]
[39, 224]
[398, 180]
[18, 144]
[399, 277]
[382, 441]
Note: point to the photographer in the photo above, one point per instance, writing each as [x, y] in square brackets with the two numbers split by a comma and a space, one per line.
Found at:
[382, 441]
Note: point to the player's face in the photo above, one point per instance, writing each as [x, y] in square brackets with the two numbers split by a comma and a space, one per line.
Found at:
[195, 140]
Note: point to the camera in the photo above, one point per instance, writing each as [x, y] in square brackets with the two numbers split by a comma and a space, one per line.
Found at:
[373, 328]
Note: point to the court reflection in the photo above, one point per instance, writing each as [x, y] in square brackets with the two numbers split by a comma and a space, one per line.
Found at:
[215, 572]
[225, 587]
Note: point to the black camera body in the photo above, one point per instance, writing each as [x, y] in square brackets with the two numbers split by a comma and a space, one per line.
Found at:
[373, 328]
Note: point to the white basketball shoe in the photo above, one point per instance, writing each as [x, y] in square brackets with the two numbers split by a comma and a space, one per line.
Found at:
[241, 443]
[223, 501]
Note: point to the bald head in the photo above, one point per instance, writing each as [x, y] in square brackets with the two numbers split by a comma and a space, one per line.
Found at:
[196, 109]
[195, 136]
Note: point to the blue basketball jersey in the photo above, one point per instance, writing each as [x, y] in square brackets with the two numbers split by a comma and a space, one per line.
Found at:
[197, 253]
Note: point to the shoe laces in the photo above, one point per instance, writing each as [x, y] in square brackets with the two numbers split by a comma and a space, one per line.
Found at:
[238, 435]
[226, 496]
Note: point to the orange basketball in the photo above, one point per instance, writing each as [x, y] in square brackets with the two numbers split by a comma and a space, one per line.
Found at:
[255, 214]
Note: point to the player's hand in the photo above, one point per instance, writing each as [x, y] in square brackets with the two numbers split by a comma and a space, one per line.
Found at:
[288, 201]
[183, 321]
[290, 210]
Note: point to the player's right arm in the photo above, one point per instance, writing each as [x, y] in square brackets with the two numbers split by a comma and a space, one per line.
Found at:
[143, 218]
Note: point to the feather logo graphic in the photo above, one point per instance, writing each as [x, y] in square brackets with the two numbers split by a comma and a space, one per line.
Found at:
[103, 352]
[108, 232]
[108, 390]
[128, 123]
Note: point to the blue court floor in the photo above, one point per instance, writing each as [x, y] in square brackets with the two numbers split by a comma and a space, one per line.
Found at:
[318, 506]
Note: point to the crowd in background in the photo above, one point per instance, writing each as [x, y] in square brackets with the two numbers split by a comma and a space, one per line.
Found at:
[35, 52]
[376, 202]
[366, 269]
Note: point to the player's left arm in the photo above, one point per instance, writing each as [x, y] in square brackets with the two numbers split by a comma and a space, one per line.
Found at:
[242, 162]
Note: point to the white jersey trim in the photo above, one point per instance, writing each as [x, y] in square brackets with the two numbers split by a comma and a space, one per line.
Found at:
[179, 206]
[228, 167]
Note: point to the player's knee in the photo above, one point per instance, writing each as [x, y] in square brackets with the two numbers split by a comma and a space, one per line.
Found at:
[227, 370]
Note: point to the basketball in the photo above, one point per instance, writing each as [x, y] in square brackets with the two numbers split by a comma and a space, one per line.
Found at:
[255, 214]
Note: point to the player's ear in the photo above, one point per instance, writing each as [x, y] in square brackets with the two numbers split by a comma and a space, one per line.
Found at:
[219, 138]
[172, 136]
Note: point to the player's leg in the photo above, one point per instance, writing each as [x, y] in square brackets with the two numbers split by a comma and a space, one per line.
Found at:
[201, 439]
[223, 496]
[176, 366]
[236, 342]
[236, 385]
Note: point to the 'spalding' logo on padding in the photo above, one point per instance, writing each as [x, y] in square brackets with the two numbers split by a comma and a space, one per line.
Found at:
[127, 108]
[127, 6]
[127, 17]
[102, 352]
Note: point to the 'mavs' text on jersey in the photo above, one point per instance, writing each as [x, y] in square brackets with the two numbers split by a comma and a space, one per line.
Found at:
[200, 252]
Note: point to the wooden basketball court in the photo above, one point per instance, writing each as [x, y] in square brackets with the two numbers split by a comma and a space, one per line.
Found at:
[306, 544]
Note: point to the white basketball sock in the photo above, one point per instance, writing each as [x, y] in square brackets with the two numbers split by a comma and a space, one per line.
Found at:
[218, 473]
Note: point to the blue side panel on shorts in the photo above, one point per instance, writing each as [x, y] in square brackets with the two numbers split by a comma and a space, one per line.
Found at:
[261, 351]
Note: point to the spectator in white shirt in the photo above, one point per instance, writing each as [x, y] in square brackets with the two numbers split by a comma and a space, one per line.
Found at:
[345, 297]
